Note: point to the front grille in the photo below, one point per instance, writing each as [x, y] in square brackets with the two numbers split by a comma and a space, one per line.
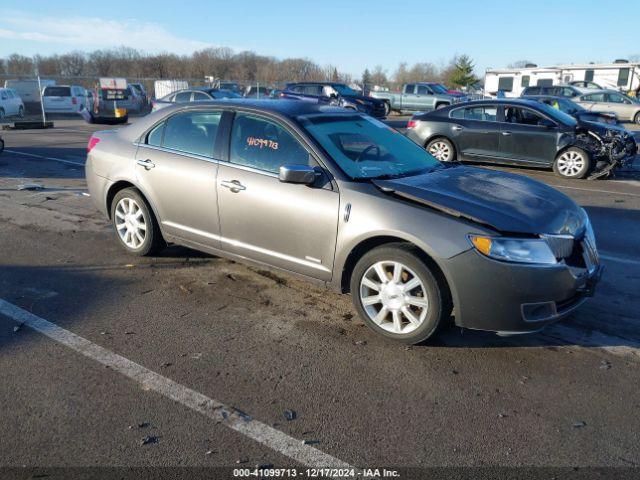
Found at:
[560, 245]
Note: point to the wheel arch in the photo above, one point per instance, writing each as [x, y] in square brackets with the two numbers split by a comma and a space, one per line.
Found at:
[121, 185]
[366, 245]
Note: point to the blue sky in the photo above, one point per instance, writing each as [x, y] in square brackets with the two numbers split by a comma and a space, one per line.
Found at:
[350, 34]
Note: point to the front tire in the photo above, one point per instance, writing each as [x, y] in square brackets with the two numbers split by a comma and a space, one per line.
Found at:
[442, 149]
[572, 163]
[397, 295]
[636, 119]
[135, 225]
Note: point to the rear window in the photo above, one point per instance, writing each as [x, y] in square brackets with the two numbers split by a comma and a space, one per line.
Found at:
[57, 92]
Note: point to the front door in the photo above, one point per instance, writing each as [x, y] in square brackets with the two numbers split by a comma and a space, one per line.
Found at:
[524, 140]
[290, 226]
[176, 170]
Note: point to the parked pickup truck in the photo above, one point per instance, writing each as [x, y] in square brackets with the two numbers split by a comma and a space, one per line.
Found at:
[418, 97]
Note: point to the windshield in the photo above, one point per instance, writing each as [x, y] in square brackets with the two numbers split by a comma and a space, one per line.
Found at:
[438, 88]
[343, 89]
[366, 148]
[558, 115]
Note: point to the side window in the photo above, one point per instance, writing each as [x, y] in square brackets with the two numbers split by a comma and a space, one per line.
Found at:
[505, 84]
[486, 114]
[532, 91]
[616, 98]
[568, 92]
[199, 97]
[192, 132]
[544, 82]
[154, 137]
[409, 88]
[424, 90]
[623, 77]
[183, 97]
[521, 116]
[263, 144]
[525, 81]
[312, 90]
[3, 94]
[594, 97]
[457, 113]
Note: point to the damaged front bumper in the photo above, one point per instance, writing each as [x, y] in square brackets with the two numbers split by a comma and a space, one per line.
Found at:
[513, 298]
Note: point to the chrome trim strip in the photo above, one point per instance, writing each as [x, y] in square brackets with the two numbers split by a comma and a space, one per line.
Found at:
[247, 246]
[178, 152]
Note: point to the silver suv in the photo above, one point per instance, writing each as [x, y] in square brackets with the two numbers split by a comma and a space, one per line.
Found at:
[341, 199]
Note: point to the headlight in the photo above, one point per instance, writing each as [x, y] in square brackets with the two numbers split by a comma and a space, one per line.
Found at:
[519, 250]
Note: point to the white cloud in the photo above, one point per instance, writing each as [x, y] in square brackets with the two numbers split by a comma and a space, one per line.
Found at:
[84, 33]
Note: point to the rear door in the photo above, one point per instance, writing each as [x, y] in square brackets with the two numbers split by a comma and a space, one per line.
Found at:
[176, 167]
[620, 105]
[476, 132]
[408, 96]
[290, 226]
[524, 140]
[593, 101]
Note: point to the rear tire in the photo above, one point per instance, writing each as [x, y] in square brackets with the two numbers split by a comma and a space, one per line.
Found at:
[135, 224]
[572, 163]
[397, 295]
[637, 118]
[442, 149]
[441, 105]
[387, 109]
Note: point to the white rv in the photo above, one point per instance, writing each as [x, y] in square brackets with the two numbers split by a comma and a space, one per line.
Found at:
[621, 75]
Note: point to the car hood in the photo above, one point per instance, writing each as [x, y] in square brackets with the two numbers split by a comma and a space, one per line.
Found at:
[505, 202]
[367, 100]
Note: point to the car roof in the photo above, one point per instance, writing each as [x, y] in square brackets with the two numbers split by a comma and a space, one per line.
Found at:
[285, 108]
[500, 101]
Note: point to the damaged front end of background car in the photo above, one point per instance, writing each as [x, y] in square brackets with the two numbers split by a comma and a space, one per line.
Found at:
[610, 147]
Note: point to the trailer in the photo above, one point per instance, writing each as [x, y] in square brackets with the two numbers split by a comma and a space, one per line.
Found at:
[510, 82]
[162, 88]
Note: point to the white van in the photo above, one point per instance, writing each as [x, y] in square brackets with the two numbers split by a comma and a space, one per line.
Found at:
[10, 104]
[64, 98]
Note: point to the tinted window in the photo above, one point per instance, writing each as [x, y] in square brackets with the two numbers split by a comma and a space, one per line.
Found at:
[505, 84]
[57, 92]
[367, 148]
[544, 82]
[568, 92]
[192, 132]
[423, 90]
[409, 88]
[532, 91]
[521, 116]
[476, 113]
[183, 97]
[155, 136]
[616, 98]
[260, 143]
[199, 96]
[594, 97]
[623, 77]
[588, 76]
[525, 81]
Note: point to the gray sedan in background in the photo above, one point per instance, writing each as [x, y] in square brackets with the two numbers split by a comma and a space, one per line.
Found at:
[339, 198]
[625, 107]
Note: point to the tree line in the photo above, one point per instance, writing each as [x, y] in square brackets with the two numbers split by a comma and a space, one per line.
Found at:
[224, 63]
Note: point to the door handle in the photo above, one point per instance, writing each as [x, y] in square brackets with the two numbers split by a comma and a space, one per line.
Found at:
[457, 128]
[506, 134]
[234, 185]
[147, 164]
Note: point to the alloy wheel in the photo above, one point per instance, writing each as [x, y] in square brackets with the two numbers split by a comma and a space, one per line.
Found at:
[571, 163]
[394, 297]
[440, 150]
[130, 223]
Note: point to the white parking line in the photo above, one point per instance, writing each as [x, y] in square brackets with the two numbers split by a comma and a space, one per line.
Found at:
[54, 159]
[613, 258]
[596, 190]
[213, 409]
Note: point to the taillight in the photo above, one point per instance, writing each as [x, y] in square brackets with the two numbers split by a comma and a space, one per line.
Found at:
[93, 141]
[412, 124]
[74, 100]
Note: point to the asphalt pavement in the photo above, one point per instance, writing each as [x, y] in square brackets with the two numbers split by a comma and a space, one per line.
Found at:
[188, 360]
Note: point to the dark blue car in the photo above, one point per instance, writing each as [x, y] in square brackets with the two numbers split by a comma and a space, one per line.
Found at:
[337, 94]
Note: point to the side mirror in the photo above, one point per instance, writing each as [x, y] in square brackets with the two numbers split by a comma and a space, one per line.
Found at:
[546, 123]
[303, 174]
